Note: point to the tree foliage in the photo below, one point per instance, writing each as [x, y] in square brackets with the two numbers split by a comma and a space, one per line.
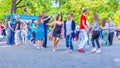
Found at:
[105, 8]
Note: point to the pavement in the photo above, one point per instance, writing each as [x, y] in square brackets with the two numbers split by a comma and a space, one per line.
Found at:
[26, 56]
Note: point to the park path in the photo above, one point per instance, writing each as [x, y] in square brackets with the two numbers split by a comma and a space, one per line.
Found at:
[26, 56]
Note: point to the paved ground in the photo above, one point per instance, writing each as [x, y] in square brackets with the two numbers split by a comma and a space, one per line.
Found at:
[26, 56]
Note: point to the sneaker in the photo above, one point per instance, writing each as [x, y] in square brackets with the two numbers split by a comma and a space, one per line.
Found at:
[81, 50]
[38, 48]
[42, 47]
[70, 51]
[98, 51]
[34, 45]
[54, 50]
[93, 50]
[67, 49]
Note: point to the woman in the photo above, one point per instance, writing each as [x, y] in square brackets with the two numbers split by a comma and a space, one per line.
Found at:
[10, 31]
[17, 31]
[95, 34]
[33, 29]
[24, 32]
[40, 31]
[58, 27]
[111, 28]
[105, 33]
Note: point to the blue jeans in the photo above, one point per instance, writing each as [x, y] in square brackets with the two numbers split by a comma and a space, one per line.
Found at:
[69, 42]
[83, 38]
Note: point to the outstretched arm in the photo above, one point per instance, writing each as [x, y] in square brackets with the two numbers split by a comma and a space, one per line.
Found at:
[51, 24]
[48, 17]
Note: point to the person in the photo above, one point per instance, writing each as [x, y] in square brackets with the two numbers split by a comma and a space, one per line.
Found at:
[10, 31]
[111, 28]
[105, 33]
[33, 29]
[24, 32]
[69, 29]
[57, 31]
[45, 28]
[3, 27]
[17, 31]
[118, 31]
[83, 31]
[77, 33]
[95, 34]
[40, 31]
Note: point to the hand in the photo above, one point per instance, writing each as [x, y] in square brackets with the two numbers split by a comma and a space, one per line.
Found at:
[87, 30]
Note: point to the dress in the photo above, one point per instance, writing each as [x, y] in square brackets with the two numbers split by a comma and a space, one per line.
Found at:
[57, 30]
[40, 32]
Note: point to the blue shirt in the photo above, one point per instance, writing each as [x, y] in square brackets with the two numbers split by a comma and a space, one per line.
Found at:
[45, 22]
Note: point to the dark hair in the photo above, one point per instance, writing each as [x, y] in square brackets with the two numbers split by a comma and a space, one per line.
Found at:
[104, 22]
[58, 17]
[70, 14]
[84, 10]
[9, 18]
[33, 20]
[96, 17]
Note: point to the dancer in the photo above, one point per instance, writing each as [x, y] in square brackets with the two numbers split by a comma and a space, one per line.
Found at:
[105, 41]
[69, 29]
[95, 34]
[10, 31]
[111, 28]
[45, 28]
[83, 31]
[17, 31]
[40, 31]
[58, 27]
[33, 29]
[24, 32]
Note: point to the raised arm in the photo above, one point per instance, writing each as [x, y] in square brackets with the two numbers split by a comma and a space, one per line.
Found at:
[48, 17]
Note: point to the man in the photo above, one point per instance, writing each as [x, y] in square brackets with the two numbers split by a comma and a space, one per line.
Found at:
[45, 28]
[69, 28]
[111, 28]
[83, 31]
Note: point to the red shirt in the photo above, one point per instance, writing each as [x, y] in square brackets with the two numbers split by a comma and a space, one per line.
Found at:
[83, 17]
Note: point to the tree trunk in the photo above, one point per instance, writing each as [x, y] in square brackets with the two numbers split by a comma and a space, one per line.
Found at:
[13, 8]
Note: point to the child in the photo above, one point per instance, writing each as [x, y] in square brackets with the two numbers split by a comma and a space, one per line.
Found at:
[24, 32]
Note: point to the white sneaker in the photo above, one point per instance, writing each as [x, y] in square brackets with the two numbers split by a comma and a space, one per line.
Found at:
[70, 51]
[93, 50]
[54, 50]
[67, 49]
[98, 51]
[34, 45]
[38, 48]
[42, 47]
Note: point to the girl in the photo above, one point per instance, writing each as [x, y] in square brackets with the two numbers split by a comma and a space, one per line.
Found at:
[33, 29]
[40, 31]
[105, 33]
[10, 31]
[58, 27]
[96, 32]
[24, 32]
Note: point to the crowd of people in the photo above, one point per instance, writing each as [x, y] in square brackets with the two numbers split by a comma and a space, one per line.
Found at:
[37, 31]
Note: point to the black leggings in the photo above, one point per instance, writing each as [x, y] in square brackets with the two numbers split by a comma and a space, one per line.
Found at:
[95, 36]
[110, 38]
[34, 37]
